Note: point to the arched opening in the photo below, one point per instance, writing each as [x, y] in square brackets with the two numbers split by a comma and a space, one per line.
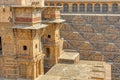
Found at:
[65, 8]
[59, 4]
[52, 4]
[89, 7]
[82, 7]
[46, 4]
[74, 8]
[105, 8]
[97, 8]
[115, 8]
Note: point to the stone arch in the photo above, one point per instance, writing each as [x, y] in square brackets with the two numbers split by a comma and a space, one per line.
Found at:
[97, 8]
[59, 4]
[105, 8]
[89, 7]
[52, 4]
[82, 7]
[74, 8]
[65, 8]
[114, 7]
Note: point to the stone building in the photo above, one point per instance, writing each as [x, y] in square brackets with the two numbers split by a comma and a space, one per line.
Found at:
[30, 42]
[86, 6]
[26, 37]
[92, 29]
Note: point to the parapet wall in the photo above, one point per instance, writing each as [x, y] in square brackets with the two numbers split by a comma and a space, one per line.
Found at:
[95, 37]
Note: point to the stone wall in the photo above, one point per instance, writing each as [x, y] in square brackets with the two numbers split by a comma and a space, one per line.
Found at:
[95, 37]
[7, 62]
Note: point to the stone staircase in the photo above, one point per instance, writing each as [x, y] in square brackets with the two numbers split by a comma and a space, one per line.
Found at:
[96, 38]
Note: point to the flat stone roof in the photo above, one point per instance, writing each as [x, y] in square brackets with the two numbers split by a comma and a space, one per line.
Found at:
[32, 27]
[69, 55]
[85, 70]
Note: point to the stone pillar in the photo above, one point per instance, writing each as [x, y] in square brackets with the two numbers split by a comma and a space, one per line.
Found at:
[55, 4]
[101, 8]
[77, 7]
[93, 5]
[70, 7]
[85, 7]
[110, 8]
[37, 69]
[42, 66]
[62, 4]
[34, 68]
[119, 8]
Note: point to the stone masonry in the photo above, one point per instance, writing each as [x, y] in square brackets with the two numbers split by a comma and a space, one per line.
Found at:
[24, 39]
[96, 38]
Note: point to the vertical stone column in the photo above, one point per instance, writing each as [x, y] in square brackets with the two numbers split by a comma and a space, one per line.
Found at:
[70, 7]
[85, 7]
[42, 66]
[37, 68]
[110, 8]
[62, 4]
[101, 7]
[55, 4]
[78, 7]
[93, 5]
[119, 8]
[34, 68]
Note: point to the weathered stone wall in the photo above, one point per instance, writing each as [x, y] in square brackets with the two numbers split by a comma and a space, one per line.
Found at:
[7, 62]
[95, 37]
[7, 14]
[53, 42]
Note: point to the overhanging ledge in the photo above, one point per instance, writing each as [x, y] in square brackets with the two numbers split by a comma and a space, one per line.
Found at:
[54, 21]
[29, 27]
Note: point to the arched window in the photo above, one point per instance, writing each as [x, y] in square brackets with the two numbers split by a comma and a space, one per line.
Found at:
[97, 7]
[65, 8]
[82, 7]
[46, 4]
[51, 4]
[105, 8]
[59, 4]
[114, 7]
[89, 7]
[74, 8]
